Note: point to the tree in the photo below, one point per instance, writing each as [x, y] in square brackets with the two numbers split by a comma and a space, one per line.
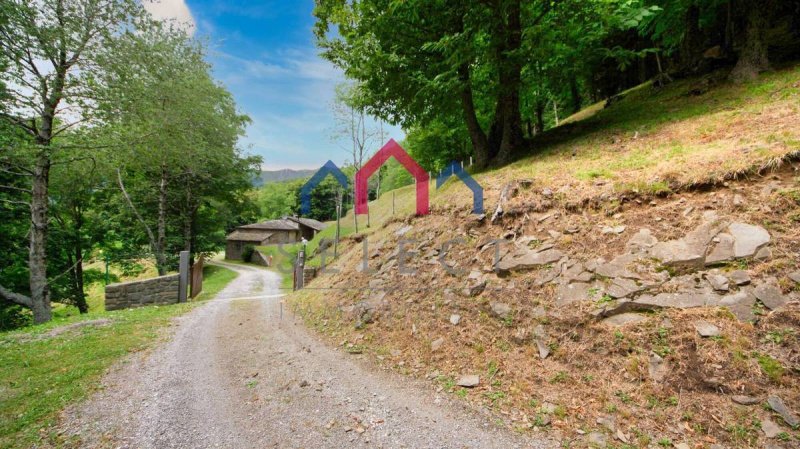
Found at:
[178, 129]
[51, 46]
[753, 56]
[354, 129]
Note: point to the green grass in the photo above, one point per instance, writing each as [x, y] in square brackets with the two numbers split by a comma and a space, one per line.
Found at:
[215, 278]
[283, 258]
[41, 375]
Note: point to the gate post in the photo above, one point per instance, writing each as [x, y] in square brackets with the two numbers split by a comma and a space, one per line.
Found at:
[184, 276]
[299, 268]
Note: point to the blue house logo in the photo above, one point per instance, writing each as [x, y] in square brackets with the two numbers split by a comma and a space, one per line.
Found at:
[328, 169]
[455, 169]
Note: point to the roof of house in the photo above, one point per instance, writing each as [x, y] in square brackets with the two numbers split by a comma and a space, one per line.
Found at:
[310, 222]
[274, 225]
[253, 235]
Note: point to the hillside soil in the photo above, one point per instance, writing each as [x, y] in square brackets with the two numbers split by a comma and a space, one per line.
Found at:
[601, 365]
[644, 293]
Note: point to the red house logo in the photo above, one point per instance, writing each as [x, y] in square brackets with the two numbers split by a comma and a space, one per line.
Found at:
[392, 149]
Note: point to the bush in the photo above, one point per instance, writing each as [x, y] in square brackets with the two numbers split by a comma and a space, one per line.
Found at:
[247, 253]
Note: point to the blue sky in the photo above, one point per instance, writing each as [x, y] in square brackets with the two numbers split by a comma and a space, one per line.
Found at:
[264, 53]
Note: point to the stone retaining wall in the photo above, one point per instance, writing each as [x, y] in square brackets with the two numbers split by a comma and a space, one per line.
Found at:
[160, 290]
[309, 273]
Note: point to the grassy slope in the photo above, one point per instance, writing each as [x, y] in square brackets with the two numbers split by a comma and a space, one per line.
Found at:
[651, 142]
[215, 278]
[42, 374]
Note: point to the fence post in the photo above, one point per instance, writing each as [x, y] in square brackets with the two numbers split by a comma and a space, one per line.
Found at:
[299, 267]
[183, 276]
[107, 276]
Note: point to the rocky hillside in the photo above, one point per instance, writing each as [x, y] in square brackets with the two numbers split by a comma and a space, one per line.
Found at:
[601, 311]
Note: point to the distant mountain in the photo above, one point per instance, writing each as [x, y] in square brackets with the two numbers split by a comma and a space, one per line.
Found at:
[286, 174]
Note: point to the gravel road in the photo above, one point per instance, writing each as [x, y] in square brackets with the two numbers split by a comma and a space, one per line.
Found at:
[234, 374]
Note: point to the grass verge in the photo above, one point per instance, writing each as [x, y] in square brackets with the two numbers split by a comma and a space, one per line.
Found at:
[215, 278]
[45, 368]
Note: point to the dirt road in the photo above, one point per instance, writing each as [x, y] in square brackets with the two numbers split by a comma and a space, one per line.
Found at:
[236, 375]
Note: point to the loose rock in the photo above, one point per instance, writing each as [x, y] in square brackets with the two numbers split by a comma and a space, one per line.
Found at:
[745, 400]
[780, 408]
[658, 368]
[718, 282]
[740, 277]
[613, 230]
[455, 319]
[597, 439]
[500, 310]
[771, 430]
[748, 239]
[770, 295]
[469, 381]
[706, 329]
[526, 258]
[437, 344]
[624, 319]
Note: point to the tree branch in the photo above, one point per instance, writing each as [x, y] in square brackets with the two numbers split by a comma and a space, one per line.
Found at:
[139, 217]
[15, 297]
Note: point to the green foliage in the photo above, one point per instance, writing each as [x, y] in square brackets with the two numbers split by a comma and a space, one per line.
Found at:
[247, 253]
[159, 124]
[39, 380]
[771, 367]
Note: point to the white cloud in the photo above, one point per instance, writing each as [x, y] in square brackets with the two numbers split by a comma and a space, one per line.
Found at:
[176, 10]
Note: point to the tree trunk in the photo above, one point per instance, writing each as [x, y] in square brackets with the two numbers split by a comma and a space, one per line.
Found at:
[539, 117]
[161, 232]
[77, 270]
[496, 130]
[37, 261]
[753, 58]
[729, 33]
[577, 100]
[510, 71]
[691, 46]
[480, 144]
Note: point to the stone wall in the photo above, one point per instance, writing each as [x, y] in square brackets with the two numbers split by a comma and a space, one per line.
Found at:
[259, 259]
[309, 273]
[160, 290]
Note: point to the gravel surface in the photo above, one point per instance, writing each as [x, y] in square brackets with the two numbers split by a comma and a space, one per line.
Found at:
[234, 374]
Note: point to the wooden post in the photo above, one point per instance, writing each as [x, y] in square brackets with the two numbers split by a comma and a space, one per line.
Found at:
[338, 222]
[183, 283]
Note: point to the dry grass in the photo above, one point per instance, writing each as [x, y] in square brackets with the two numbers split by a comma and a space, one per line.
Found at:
[594, 370]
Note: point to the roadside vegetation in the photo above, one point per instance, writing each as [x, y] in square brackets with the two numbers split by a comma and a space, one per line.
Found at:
[48, 367]
[124, 149]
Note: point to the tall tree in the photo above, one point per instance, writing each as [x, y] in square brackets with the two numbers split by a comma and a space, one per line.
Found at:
[178, 129]
[51, 46]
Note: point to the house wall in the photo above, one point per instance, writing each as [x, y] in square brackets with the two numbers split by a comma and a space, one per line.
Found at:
[234, 249]
[307, 233]
[282, 237]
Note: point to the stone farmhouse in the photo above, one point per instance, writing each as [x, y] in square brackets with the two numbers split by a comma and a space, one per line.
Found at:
[273, 232]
